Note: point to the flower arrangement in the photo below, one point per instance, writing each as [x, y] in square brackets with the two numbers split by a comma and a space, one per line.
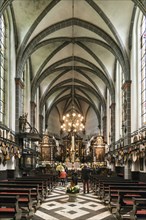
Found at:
[72, 188]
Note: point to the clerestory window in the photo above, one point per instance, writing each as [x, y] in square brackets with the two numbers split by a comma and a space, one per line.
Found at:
[2, 68]
[143, 69]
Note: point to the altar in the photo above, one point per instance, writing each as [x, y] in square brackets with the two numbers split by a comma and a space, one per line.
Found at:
[73, 165]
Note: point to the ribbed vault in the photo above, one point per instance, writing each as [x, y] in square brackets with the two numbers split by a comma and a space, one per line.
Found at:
[72, 47]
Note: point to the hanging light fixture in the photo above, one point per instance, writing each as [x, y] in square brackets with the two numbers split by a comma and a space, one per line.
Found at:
[73, 121]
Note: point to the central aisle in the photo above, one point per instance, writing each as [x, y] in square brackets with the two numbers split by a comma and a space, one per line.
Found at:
[57, 207]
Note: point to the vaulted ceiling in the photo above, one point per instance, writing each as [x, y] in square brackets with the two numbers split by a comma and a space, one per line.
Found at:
[72, 47]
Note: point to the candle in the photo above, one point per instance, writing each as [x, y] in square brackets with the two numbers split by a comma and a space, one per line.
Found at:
[73, 143]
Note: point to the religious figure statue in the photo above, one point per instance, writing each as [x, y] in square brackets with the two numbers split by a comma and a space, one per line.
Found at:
[25, 126]
[46, 139]
[23, 122]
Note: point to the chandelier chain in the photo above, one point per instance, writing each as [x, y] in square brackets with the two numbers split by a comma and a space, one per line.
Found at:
[73, 63]
[73, 121]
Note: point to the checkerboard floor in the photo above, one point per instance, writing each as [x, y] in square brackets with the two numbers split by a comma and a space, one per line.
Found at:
[57, 207]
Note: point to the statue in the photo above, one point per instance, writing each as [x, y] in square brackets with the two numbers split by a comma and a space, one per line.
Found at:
[25, 126]
[23, 122]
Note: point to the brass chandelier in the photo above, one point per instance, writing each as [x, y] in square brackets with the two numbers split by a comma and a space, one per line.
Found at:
[73, 121]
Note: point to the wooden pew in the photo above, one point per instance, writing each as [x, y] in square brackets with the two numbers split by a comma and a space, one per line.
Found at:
[139, 209]
[9, 207]
[100, 181]
[43, 184]
[34, 188]
[114, 193]
[49, 179]
[52, 179]
[42, 190]
[111, 187]
[25, 202]
[125, 201]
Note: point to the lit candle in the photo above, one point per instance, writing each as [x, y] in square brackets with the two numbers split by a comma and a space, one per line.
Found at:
[73, 143]
[73, 149]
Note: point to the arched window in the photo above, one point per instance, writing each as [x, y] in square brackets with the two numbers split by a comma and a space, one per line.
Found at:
[143, 69]
[2, 69]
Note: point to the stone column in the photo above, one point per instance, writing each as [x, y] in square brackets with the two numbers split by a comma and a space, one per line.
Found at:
[127, 171]
[41, 118]
[33, 106]
[19, 101]
[127, 112]
[127, 122]
[113, 167]
[112, 123]
[105, 128]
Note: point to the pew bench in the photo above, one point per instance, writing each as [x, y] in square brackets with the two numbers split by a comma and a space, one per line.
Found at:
[139, 209]
[102, 183]
[23, 189]
[104, 187]
[49, 179]
[25, 201]
[110, 192]
[125, 201]
[113, 193]
[43, 184]
[41, 188]
[9, 207]
[52, 179]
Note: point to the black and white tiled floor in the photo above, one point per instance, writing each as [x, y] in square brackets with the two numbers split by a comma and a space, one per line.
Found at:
[57, 207]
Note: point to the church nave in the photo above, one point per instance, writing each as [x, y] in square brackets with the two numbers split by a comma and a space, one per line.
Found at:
[57, 207]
